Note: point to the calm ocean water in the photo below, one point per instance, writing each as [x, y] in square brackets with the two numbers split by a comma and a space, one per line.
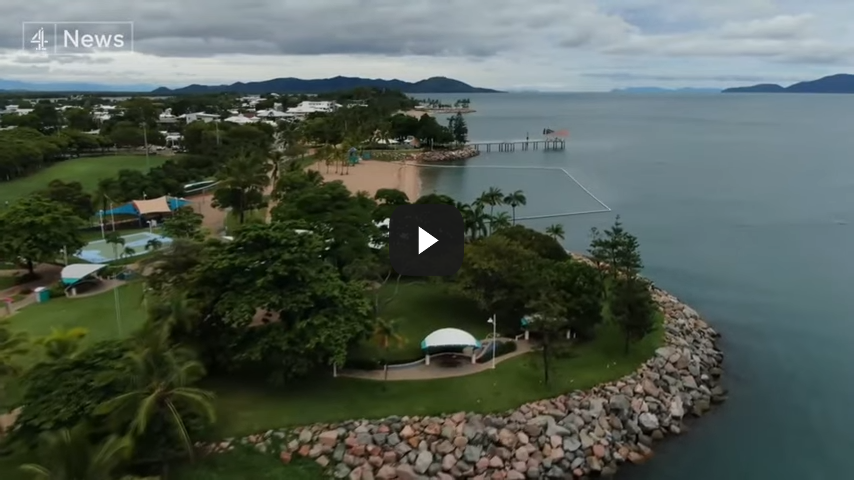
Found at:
[744, 207]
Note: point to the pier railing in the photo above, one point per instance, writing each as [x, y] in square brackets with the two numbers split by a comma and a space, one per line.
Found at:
[513, 145]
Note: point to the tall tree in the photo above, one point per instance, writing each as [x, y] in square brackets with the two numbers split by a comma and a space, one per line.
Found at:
[549, 322]
[319, 319]
[515, 200]
[184, 223]
[72, 195]
[458, 128]
[241, 184]
[493, 197]
[630, 306]
[556, 231]
[115, 240]
[331, 211]
[37, 230]
[388, 199]
[501, 275]
[386, 335]
[160, 384]
[499, 221]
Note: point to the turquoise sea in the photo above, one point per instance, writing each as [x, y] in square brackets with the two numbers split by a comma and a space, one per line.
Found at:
[744, 207]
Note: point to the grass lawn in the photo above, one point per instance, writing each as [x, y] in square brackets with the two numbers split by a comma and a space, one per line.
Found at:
[8, 281]
[248, 464]
[419, 309]
[97, 314]
[86, 170]
[249, 409]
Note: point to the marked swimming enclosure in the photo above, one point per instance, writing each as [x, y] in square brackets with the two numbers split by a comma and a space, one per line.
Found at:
[605, 208]
[99, 251]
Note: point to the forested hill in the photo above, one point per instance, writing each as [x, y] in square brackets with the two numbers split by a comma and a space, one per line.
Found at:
[298, 85]
[839, 83]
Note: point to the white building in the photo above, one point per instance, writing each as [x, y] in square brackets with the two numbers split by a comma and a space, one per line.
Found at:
[274, 115]
[240, 119]
[199, 117]
[167, 117]
[14, 109]
[309, 107]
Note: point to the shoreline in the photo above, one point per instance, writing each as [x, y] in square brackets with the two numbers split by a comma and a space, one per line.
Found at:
[576, 435]
[372, 175]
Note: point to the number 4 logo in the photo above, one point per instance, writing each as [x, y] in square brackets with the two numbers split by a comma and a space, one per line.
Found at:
[39, 40]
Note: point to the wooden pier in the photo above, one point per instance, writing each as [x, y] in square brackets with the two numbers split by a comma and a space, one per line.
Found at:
[523, 145]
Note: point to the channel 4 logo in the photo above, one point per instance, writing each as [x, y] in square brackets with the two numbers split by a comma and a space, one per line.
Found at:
[76, 38]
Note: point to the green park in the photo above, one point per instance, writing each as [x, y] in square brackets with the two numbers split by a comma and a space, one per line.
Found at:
[297, 318]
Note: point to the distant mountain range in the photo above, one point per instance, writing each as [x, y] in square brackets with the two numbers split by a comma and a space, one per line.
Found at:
[297, 85]
[16, 86]
[665, 90]
[839, 83]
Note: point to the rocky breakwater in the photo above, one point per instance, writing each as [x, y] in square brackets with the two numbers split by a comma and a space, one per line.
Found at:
[437, 156]
[579, 435]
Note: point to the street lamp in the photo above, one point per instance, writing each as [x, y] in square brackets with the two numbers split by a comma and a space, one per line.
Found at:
[494, 323]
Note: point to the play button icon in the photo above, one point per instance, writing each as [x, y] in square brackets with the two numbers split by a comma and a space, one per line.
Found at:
[426, 240]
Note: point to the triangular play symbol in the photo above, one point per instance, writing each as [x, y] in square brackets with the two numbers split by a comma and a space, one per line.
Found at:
[425, 240]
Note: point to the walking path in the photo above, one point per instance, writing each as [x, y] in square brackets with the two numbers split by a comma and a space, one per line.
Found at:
[435, 369]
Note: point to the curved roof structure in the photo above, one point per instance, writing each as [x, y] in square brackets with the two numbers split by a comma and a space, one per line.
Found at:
[163, 204]
[450, 337]
[75, 272]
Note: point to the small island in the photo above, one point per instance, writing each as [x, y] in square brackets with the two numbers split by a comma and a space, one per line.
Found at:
[839, 83]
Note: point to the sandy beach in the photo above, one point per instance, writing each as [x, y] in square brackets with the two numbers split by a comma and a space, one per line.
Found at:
[372, 175]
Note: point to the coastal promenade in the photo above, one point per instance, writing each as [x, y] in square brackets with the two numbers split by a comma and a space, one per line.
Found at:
[581, 434]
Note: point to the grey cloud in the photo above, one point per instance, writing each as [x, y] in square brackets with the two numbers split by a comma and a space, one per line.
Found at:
[388, 27]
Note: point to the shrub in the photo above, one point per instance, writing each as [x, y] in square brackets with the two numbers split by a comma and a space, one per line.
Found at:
[57, 290]
[59, 394]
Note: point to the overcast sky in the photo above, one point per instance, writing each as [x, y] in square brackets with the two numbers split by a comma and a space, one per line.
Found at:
[569, 45]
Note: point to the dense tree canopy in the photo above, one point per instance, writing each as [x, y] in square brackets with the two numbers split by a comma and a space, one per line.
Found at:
[275, 268]
[37, 230]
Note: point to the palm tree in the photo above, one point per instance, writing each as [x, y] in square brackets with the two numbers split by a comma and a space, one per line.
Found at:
[515, 199]
[128, 252]
[12, 344]
[174, 311]
[69, 455]
[555, 231]
[161, 381]
[153, 244]
[492, 197]
[385, 335]
[116, 241]
[62, 343]
[499, 221]
[244, 173]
